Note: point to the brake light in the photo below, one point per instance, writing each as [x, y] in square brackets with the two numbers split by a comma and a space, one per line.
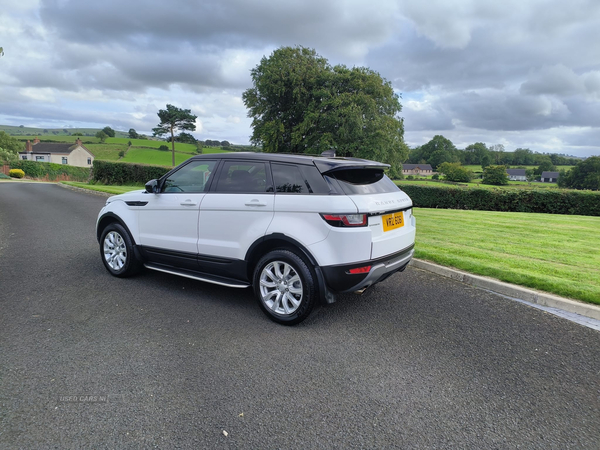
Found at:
[345, 220]
[364, 269]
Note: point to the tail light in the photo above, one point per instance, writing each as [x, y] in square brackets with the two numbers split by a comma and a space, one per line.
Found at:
[345, 220]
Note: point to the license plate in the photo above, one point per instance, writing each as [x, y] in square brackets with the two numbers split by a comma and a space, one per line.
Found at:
[393, 221]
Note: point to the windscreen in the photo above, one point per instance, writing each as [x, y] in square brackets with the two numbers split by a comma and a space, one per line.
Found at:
[363, 181]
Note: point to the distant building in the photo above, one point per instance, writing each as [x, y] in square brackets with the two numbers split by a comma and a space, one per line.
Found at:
[417, 169]
[516, 174]
[59, 153]
[549, 177]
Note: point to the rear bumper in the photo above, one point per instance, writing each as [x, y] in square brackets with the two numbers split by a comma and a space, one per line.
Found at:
[340, 280]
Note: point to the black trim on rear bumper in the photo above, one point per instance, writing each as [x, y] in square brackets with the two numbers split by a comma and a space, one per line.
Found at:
[340, 280]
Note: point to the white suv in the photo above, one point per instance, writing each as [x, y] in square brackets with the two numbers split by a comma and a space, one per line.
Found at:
[297, 228]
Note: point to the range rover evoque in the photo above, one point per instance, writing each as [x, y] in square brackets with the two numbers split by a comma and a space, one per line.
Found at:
[298, 229]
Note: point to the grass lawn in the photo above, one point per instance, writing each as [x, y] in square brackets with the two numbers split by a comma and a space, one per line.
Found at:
[154, 157]
[559, 254]
[106, 152]
[104, 188]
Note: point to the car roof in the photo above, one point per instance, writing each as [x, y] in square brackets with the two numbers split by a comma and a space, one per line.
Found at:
[323, 163]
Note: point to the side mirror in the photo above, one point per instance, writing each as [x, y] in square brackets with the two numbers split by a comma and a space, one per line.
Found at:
[152, 187]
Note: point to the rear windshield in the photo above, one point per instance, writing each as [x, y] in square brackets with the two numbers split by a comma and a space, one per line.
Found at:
[363, 181]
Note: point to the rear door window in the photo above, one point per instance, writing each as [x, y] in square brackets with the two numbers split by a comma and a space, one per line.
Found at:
[242, 176]
[288, 179]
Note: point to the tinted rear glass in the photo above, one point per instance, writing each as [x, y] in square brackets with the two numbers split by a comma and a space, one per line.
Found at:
[363, 181]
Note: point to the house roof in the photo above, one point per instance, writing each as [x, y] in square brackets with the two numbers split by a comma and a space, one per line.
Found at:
[55, 147]
[516, 172]
[414, 166]
[549, 174]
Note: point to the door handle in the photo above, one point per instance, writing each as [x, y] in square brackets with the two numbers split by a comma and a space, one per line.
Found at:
[255, 203]
[188, 203]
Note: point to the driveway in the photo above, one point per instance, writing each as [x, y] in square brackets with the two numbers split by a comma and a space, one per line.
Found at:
[419, 361]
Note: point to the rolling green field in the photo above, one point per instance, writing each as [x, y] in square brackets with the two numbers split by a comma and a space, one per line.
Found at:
[478, 184]
[549, 252]
[49, 133]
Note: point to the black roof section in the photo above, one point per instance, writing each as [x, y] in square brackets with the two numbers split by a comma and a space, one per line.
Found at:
[324, 164]
[518, 172]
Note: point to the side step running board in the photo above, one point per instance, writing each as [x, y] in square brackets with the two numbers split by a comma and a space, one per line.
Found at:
[199, 277]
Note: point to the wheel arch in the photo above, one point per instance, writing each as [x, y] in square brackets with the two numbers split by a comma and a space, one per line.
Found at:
[281, 241]
[106, 220]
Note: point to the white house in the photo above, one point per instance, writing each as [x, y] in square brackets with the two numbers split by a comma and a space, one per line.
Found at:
[417, 169]
[549, 177]
[59, 153]
[516, 174]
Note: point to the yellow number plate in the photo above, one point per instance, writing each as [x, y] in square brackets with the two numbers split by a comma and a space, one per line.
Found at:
[393, 221]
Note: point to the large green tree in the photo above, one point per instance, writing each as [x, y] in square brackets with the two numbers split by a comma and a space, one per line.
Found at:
[585, 175]
[9, 147]
[173, 119]
[299, 103]
[435, 152]
[109, 131]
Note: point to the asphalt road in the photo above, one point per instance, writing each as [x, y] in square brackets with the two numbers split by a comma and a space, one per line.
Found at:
[420, 361]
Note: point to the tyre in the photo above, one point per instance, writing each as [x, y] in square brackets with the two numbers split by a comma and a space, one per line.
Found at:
[116, 249]
[284, 287]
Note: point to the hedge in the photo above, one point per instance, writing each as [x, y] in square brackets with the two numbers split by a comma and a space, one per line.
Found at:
[51, 171]
[110, 172]
[584, 203]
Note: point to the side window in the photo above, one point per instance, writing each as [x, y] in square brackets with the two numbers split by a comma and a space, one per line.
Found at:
[192, 177]
[288, 179]
[242, 176]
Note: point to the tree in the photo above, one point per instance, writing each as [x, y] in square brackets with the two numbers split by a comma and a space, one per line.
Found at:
[102, 136]
[133, 134]
[545, 166]
[109, 131]
[1, 51]
[479, 154]
[455, 172]
[225, 144]
[523, 156]
[437, 151]
[495, 175]
[299, 103]
[186, 138]
[497, 154]
[174, 119]
[585, 175]
[9, 147]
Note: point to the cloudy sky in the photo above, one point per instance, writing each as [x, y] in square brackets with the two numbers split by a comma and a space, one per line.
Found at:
[522, 73]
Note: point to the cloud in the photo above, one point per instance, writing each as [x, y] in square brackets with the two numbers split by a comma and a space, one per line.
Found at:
[468, 69]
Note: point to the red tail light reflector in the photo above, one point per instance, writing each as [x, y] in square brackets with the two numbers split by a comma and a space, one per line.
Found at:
[345, 220]
[364, 269]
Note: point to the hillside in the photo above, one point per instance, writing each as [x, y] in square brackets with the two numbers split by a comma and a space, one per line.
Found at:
[48, 133]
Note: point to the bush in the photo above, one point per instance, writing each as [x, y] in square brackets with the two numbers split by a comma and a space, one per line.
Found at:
[109, 172]
[584, 203]
[51, 171]
[495, 175]
[16, 173]
[455, 172]
[163, 148]
[410, 177]
[435, 176]
[122, 154]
